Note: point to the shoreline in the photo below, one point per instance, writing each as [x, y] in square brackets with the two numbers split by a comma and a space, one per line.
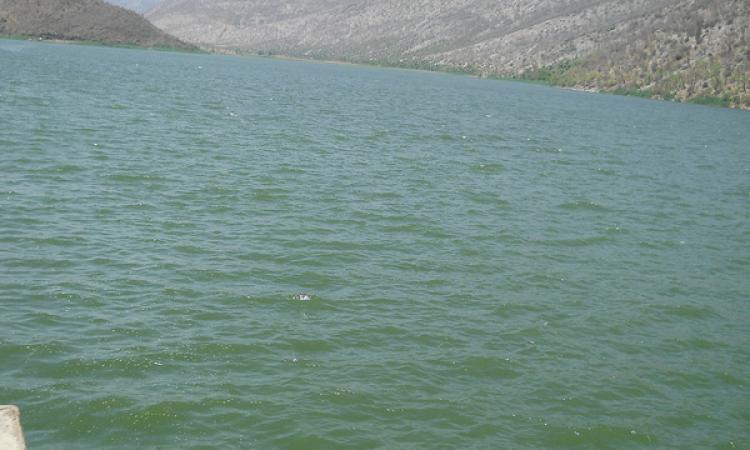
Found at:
[123, 45]
[711, 101]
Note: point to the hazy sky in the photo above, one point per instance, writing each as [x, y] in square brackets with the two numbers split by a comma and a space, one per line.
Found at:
[136, 5]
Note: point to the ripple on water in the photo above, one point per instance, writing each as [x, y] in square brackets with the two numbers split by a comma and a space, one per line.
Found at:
[270, 194]
[488, 168]
[606, 172]
[59, 169]
[568, 272]
[131, 178]
[60, 241]
[597, 436]
[578, 242]
[490, 368]
[584, 205]
[686, 311]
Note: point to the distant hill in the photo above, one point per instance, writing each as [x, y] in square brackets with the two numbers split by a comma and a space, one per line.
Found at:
[139, 6]
[695, 50]
[81, 20]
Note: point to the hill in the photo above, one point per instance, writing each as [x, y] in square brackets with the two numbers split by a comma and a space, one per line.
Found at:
[684, 49]
[82, 20]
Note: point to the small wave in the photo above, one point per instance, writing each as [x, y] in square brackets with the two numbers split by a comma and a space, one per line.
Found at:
[36, 350]
[599, 436]
[289, 170]
[139, 205]
[59, 241]
[489, 367]
[488, 168]
[383, 195]
[270, 195]
[310, 345]
[214, 275]
[179, 225]
[578, 242]
[218, 190]
[86, 130]
[553, 150]
[38, 263]
[608, 172]
[403, 228]
[124, 366]
[215, 105]
[488, 198]
[133, 178]
[586, 205]
[63, 169]
[190, 250]
[688, 311]
[670, 243]
[229, 348]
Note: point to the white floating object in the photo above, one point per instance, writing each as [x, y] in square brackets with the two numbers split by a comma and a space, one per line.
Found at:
[302, 297]
[11, 435]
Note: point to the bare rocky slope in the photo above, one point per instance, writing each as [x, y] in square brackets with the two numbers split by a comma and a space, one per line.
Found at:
[82, 20]
[695, 50]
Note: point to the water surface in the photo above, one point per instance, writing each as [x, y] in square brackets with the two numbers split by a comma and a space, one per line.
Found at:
[493, 264]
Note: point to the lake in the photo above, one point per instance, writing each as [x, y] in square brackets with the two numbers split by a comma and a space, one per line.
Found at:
[492, 264]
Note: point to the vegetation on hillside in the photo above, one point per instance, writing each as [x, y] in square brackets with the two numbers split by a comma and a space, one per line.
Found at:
[82, 20]
[701, 56]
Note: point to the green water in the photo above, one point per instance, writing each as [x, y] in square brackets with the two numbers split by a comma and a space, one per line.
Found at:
[493, 264]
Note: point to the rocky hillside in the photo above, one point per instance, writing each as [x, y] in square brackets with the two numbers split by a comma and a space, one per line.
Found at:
[81, 20]
[683, 49]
